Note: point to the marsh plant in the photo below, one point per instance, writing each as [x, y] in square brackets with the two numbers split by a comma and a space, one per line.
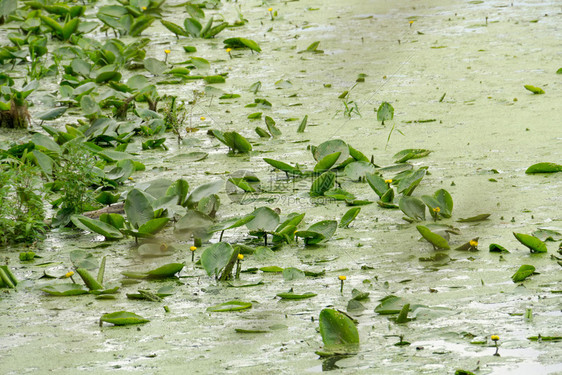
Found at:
[21, 203]
[76, 177]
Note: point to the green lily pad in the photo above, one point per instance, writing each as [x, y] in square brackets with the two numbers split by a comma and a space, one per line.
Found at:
[495, 248]
[522, 273]
[385, 112]
[473, 219]
[339, 333]
[97, 226]
[271, 269]
[433, 238]
[413, 207]
[292, 295]
[230, 306]
[69, 289]
[544, 168]
[217, 258]
[390, 305]
[535, 90]
[167, 270]
[322, 184]
[349, 216]
[533, 243]
[123, 318]
[359, 169]
[411, 153]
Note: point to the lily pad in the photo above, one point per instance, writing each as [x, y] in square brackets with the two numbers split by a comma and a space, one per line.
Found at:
[230, 306]
[433, 238]
[359, 169]
[535, 90]
[411, 153]
[413, 207]
[522, 273]
[495, 248]
[349, 216]
[69, 289]
[473, 219]
[97, 226]
[390, 305]
[292, 295]
[339, 333]
[217, 258]
[123, 318]
[544, 168]
[533, 243]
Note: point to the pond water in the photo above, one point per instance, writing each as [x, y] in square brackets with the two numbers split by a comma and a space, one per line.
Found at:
[462, 64]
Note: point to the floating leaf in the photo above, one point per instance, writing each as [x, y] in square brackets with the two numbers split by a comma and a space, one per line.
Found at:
[385, 112]
[495, 248]
[138, 208]
[533, 243]
[97, 226]
[433, 238]
[390, 305]
[522, 273]
[167, 270]
[544, 168]
[413, 207]
[331, 147]
[230, 306]
[52, 114]
[359, 169]
[123, 318]
[291, 273]
[91, 282]
[283, 166]
[322, 184]
[339, 333]
[270, 123]
[349, 216]
[411, 153]
[472, 219]
[217, 257]
[292, 295]
[69, 289]
[265, 220]
[534, 89]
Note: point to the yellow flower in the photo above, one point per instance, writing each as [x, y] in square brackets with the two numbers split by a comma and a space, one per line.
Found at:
[228, 50]
[269, 9]
[342, 278]
[495, 338]
[389, 181]
[473, 243]
[437, 210]
[143, 8]
[240, 256]
[202, 118]
[192, 248]
[69, 274]
[411, 22]
[167, 51]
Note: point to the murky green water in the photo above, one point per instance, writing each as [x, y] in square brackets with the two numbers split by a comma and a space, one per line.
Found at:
[479, 127]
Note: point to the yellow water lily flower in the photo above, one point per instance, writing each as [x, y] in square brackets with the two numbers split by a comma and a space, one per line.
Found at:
[389, 181]
[495, 337]
[69, 274]
[192, 248]
[167, 51]
[269, 9]
[437, 210]
[202, 118]
[473, 243]
[240, 256]
[342, 278]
